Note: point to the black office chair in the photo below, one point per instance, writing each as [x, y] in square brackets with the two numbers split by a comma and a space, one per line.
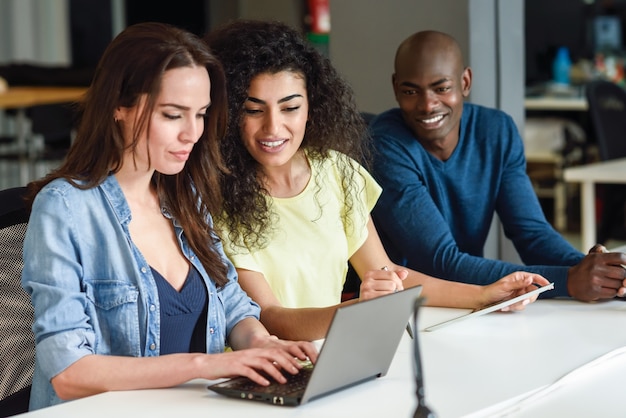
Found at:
[607, 111]
[17, 343]
[55, 123]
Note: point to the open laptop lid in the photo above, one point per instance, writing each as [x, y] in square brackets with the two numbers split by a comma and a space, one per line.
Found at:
[361, 342]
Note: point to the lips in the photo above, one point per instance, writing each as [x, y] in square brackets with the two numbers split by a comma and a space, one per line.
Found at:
[432, 120]
[273, 146]
[181, 155]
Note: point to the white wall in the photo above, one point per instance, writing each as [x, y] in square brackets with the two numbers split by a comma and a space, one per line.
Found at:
[365, 35]
[287, 11]
[35, 31]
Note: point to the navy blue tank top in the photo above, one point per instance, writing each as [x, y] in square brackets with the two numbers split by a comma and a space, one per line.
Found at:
[183, 314]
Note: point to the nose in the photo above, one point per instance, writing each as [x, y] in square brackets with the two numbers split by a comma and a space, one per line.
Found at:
[271, 122]
[428, 101]
[192, 130]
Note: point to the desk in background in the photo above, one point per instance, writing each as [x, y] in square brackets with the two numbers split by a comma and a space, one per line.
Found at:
[475, 368]
[24, 97]
[611, 171]
[551, 97]
[20, 99]
[555, 104]
[552, 143]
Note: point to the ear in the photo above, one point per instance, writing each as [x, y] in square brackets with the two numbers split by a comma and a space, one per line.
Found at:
[466, 81]
[393, 85]
[119, 114]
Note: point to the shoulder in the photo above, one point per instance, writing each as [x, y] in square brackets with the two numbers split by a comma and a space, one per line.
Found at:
[486, 117]
[489, 126]
[64, 193]
[391, 135]
[58, 189]
[338, 167]
[341, 159]
[391, 116]
[56, 206]
[489, 134]
[389, 123]
[335, 161]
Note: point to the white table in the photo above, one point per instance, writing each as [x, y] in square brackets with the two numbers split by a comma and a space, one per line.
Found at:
[612, 171]
[556, 103]
[473, 368]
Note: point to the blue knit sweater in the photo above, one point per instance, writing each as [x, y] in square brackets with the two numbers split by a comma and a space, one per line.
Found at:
[434, 216]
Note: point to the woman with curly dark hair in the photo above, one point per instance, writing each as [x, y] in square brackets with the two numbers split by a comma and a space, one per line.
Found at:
[296, 198]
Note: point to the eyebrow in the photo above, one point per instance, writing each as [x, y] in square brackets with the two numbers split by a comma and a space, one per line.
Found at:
[181, 107]
[434, 83]
[283, 100]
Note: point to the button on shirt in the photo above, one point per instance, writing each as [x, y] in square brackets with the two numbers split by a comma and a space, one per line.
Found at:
[93, 291]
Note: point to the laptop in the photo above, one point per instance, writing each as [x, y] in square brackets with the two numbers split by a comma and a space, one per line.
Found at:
[359, 346]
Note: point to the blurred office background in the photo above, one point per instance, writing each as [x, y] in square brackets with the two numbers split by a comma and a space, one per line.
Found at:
[510, 44]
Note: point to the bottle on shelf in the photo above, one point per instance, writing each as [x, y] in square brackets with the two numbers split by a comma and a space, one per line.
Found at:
[562, 66]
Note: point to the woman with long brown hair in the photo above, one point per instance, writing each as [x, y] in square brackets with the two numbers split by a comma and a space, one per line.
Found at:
[130, 285]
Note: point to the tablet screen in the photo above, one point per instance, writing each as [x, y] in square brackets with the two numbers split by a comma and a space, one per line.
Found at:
[490, 308]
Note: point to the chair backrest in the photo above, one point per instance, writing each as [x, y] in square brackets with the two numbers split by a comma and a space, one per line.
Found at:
[55, 124]
[607, 109]
[17, 344]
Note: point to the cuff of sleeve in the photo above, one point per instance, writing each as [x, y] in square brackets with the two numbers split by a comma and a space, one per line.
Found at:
[59, 351]
[559, 278]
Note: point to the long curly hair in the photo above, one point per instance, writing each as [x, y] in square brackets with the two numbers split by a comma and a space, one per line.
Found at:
[248, 48]
[133, 65]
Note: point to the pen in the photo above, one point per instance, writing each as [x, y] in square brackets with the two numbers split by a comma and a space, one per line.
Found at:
[409, 330]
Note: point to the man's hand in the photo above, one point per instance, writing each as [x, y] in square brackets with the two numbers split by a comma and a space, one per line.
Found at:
[600, 275]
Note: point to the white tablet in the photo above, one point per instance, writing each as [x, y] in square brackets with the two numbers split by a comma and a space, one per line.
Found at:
[490, 308]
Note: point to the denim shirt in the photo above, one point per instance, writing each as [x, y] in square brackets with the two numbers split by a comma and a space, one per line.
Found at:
[92, 290]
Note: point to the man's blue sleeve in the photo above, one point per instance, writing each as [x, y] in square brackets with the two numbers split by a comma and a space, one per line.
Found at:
[416, 234]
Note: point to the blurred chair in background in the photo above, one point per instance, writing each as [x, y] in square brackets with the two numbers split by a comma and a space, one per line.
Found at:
[607, 110]
[17, 342]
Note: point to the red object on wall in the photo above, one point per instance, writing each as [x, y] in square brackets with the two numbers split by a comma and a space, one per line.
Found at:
[320, 16]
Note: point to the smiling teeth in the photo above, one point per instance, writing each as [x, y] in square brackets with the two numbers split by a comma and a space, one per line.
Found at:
[433, 120]
[273, 144]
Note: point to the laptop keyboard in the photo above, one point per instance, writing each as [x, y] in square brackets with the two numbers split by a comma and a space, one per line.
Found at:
[294, 383]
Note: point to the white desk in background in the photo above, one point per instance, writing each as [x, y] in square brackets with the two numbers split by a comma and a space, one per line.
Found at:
[21, 98]
[611, 171]
[556, 103]
[544, 136]
[474, 368]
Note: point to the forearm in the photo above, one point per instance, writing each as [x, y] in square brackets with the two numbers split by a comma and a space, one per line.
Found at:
[248, 333]
[99, 373]
[298, 324]
[446, 293]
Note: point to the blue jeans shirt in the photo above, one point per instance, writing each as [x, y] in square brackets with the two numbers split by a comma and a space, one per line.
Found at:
[92, 290]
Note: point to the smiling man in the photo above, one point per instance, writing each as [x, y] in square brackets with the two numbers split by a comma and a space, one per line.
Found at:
[446, 166]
